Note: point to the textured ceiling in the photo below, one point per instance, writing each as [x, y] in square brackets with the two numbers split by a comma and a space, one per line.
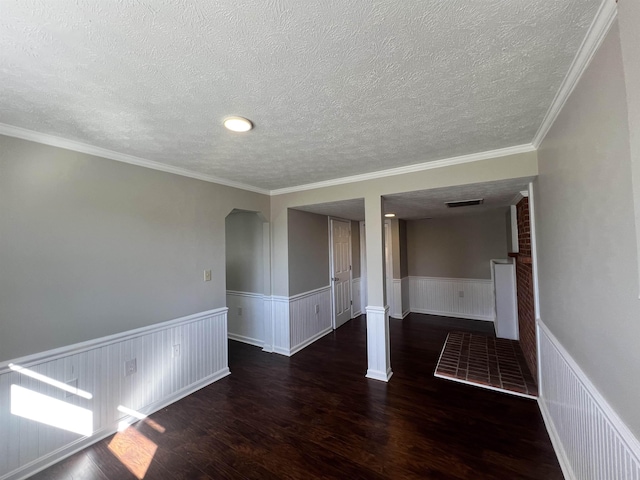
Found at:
[431, 203]
[334, 88]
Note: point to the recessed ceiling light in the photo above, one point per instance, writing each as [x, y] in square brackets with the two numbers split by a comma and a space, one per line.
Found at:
[389, 215]
[237, 124]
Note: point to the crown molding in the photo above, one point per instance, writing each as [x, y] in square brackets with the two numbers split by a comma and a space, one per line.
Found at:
[595, 35]
[473, 157]
[52, 140]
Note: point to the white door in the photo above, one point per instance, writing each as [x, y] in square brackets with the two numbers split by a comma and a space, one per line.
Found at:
[341, 271]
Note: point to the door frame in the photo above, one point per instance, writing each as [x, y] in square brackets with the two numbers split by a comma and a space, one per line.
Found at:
[331, 270]
[364, 296]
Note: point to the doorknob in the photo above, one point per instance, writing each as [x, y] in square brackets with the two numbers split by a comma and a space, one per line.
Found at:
[335, 279]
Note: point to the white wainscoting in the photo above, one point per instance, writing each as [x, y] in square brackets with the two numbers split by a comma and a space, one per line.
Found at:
[296, 323]
[591, 441]
[356, 287]
[246, 317]
[405, 296]
[441, 296]
[269, 323]
[280, 320]
[98, 368]
[395, 298]
[307, 326]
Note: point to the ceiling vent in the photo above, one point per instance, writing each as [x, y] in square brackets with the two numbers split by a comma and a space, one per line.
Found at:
[464, 203]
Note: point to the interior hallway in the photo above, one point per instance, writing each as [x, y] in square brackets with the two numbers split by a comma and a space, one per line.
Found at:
[314, 415]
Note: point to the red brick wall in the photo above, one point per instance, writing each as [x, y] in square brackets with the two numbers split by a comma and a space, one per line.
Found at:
[524, 274]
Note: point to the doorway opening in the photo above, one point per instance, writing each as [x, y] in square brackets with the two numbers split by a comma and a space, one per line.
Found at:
[247, 277]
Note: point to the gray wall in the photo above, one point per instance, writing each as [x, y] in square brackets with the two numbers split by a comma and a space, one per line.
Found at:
[402, 242]
[587, 252]
[244, 252]
[355, 249]
[456, 247]
[91, 247]
[308, 251]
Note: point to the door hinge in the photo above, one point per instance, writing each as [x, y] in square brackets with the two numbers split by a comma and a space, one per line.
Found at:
[351, 302]
[349, 267]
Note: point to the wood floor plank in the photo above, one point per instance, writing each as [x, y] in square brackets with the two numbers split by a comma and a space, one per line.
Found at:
[315, 415]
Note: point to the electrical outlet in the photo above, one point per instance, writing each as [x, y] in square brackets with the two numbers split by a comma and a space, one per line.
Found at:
[317, 308]
[461, 293]
[130, 367]
[175, 351]
[239, 311]
[207, 275]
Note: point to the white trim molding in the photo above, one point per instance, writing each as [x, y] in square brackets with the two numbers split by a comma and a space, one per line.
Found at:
[590, 439]
[593, 39]
[54, 141]
[453, 297]
[447, 162]
[96, 369]
[60, 142]
[378, 350]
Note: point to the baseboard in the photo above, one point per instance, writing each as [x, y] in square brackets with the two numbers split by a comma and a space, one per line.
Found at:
[563, 460]
[282, 351]
[356, 314]
[248, 340]
[405, 313]
[453, 315]
[590, 439]
[379, 375]
[308, 342]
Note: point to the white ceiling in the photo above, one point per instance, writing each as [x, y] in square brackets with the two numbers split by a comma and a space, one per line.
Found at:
[335, 88]
[431, 203]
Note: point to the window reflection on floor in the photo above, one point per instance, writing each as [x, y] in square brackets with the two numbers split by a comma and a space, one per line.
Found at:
[133, 450]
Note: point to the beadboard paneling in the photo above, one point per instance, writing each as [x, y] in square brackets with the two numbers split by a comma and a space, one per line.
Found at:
[441, 296]
[395, 298]
[405, 296]
[98, 368]
[591, 441]
[307, 325]
[356, 296]
[246, 317]
[280, 319]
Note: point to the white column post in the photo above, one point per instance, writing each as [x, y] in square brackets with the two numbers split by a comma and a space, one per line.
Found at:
[378, 351]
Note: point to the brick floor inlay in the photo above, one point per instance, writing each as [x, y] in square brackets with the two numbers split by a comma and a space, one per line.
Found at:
[488, 362]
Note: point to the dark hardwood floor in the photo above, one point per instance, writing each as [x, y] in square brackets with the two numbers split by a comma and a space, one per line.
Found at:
[315, 415]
